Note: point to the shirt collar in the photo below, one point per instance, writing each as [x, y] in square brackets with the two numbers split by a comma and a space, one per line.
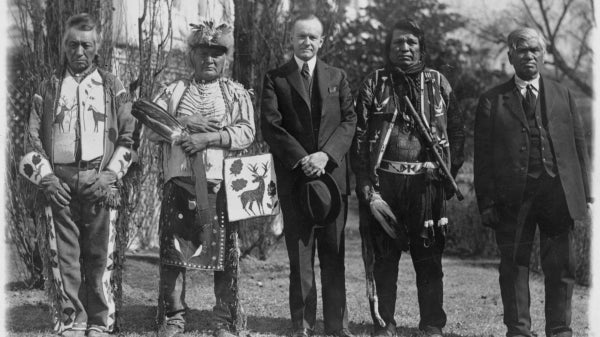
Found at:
[522, 84]
[311, 64]
[81, 75]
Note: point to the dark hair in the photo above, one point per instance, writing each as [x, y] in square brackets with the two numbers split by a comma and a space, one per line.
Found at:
[83, 22]
[410, 26]
[307, 17]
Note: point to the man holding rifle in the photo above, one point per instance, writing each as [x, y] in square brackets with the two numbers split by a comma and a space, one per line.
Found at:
[401, 182]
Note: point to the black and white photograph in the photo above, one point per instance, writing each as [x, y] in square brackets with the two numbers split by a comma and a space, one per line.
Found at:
[299, 168]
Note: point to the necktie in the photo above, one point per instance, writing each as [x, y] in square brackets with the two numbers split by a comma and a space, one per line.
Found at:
[529, 101]
[306, 77]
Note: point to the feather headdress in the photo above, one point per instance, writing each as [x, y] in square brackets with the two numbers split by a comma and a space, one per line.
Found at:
[210, 34]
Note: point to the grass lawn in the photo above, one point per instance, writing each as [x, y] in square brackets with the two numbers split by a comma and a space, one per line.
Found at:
[471, 299]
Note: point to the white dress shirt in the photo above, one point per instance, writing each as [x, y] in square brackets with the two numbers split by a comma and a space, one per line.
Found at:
[311, 65]
[522, 85]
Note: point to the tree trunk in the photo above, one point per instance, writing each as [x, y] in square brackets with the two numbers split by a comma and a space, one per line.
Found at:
[259, 41]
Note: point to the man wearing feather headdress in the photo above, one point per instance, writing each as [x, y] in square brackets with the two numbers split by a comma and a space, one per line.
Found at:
[195, 233]
[80, 144]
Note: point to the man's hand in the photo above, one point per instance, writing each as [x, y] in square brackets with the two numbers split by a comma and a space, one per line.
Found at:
[195, 143]
[198, 123]
[55, 190]
[100, 187]
[489, 217]
[313, 165]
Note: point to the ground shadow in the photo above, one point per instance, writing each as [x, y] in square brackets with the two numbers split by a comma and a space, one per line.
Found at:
[137, 318]
[415, 332]
[29, 318]
[268, 325]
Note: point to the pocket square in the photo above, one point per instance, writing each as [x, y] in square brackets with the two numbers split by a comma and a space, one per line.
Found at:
[333, 90]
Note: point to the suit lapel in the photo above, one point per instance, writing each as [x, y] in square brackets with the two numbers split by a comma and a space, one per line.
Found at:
[293, 78]
[512, 101]
[322, 78]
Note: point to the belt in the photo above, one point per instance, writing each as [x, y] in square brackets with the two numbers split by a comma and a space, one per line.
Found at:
[84, 164]
[406, 168]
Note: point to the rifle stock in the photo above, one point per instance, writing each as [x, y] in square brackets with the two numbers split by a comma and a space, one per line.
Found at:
[426, 133]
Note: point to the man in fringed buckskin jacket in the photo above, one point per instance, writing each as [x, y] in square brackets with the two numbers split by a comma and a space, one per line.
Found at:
[80, 139]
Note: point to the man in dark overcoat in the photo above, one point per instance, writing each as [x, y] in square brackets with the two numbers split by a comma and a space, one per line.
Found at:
[531, 169]
[308, 120]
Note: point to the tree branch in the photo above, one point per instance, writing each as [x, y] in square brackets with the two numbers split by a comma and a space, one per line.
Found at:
[570, 72]
[562, 16]
[532, 17]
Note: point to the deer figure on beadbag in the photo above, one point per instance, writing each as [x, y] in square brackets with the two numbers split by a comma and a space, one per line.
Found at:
[250, 197]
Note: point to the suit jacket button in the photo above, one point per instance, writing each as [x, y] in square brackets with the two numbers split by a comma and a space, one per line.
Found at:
[523, 129]
[523, 148]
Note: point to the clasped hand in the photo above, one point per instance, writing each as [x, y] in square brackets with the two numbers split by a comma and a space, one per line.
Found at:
[198, 123]
[100, 186]
[313, 165]
[194, 143]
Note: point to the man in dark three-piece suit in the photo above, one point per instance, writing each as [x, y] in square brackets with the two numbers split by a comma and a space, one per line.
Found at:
[308, 120]
[531, 168]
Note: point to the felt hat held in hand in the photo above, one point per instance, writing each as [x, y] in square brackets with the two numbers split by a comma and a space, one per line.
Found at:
[318, 198]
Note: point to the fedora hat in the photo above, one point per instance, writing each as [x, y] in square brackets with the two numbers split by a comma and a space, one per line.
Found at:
[318, 198]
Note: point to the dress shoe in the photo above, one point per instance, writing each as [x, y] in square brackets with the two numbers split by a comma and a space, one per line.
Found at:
[388, 331]
[73, 333]
[433, 333]
[170, 330]
[340, 333]
[222, 332]
[302, 333]
[96, 333]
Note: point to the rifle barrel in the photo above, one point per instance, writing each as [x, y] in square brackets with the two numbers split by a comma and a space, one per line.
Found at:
[431, 143]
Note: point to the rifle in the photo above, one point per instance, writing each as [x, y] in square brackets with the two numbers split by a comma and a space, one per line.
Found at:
[433, 145]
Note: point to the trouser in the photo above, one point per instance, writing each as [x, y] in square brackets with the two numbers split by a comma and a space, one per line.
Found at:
[227, 310]
[302, 238]
[403, 193]
[544, 205]
[173, 283]
[84, 239]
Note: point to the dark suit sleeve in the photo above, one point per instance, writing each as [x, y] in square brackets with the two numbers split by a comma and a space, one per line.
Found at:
[283, 145]
[483, 161]
[581, 145]
[455, 127]
[339, 143]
